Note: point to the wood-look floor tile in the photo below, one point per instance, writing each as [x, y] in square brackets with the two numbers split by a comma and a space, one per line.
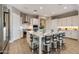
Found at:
[21, 46]
[71, 47]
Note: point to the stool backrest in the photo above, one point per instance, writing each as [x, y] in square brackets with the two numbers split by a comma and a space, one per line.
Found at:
[54, 37]
[61, 35]
[47, 39]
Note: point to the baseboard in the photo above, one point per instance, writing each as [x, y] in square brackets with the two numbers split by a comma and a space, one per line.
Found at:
[71, 38]
[11, 41]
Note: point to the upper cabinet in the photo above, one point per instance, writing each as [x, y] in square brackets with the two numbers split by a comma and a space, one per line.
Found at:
[24, 18]
[75, 21]
[68, 21]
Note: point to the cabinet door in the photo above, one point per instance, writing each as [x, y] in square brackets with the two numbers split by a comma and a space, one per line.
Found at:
[68, 23]
[49, 25]
[35, 21]
[16, 26]
[59, 22]
[74, 35]
[75, 21]
[63, 22]
[54, 25]
[78, 20]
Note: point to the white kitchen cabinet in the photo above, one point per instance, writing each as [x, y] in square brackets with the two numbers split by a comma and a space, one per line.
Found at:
[48, 25]
[72, 21]
[59, 22]
[63, 22]
[36, 21]
[54, 25]
[68, 21]
[75, 34]
[16, 30]
[75, 21]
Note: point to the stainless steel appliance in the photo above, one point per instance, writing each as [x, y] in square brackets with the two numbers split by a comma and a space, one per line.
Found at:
[4, 28]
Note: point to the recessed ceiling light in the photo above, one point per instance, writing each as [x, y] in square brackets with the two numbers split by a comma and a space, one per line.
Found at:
[65, 7]
[34, 11]
[41, 8]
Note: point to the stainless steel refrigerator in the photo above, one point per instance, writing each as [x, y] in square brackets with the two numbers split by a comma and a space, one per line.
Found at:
[4, 29]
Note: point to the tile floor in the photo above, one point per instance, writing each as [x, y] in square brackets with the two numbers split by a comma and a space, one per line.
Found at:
[71, 47]
[20, 46]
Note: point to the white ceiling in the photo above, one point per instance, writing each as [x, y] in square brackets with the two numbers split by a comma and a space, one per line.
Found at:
[47, 9]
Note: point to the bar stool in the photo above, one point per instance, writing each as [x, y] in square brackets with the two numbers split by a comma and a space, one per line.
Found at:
[35, 44]
[54, 43]
[46, 44]
[61, 37]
